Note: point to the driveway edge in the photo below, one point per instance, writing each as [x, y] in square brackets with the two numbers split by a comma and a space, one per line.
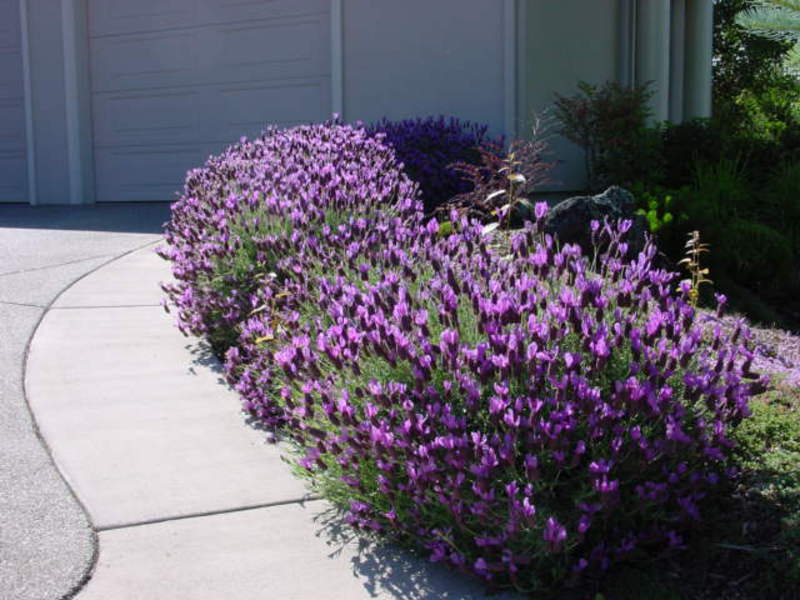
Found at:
[89, 571]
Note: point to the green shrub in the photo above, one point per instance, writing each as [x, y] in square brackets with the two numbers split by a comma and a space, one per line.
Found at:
[722, 205]
[610, 123]
[781, 203]
[684, 144]
[720, 193]
[756, 254]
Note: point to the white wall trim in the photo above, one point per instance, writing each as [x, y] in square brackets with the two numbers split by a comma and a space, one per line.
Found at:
[73, 36]
[521, 57]
[699, 49]
[625, 42]
[337, 57]
[510, 67]
[653, 52]
[30, 143]
[677, 60]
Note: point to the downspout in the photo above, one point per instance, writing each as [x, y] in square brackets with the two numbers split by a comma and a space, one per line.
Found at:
[30, 145]
[653, 52]
[699, 57]
[510, 69]
[677, 60]
[625, 42]
[77, 101]
[337, 58]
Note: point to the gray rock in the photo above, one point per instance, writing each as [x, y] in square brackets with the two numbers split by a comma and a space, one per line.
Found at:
[570, 219]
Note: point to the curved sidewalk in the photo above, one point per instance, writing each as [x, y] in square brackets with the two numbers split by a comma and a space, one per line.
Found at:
[47, 546]
[188, 501]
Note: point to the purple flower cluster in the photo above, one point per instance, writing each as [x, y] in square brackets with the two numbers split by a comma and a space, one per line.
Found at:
[243, 219]
[524, 417]
[523, 413]
[428, 149]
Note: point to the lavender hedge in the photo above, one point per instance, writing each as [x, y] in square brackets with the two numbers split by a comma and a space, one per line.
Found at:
[243, 218]
[521, 412]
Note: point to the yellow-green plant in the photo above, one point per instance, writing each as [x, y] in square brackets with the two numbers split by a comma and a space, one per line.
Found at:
[698, 274]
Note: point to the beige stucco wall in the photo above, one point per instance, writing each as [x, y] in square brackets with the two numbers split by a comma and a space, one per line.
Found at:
[565, 42]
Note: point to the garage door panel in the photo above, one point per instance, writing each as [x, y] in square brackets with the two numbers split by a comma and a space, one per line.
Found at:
[247, 110]
[10, 73]
[12, 113]
[13, 142]
[115, 17]
[13, 176]
[145, 118]
[227, 11]
[108, 17]
[165, 97]
[153, 60]
[146, 174]
[9, 24]
[233, 53]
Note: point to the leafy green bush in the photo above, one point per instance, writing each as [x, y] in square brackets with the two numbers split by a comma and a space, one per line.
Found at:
[720, 193]
[722, 205]
[684, 144]
[610, 123]
[781, 203]
[753, 94]
[756, 254]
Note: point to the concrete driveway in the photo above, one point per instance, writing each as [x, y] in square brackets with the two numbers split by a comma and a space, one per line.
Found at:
[47, 546]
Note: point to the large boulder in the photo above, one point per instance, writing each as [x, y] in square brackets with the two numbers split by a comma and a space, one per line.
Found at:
[569, 220]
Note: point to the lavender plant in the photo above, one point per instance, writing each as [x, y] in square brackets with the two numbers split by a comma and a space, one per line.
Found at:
[243, 218]
[525, 418]
[524, 413]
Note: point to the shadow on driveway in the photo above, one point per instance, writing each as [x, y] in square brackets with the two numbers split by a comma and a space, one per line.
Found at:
[118, 217]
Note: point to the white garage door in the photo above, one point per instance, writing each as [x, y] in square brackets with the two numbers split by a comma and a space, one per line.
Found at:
[176, 80]
[13, 172]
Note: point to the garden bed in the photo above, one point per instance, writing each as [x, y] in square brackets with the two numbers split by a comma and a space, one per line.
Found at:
[531, 416]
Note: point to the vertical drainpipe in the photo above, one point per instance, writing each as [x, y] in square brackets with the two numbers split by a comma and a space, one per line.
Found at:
[30, 142]
[337, 58]
[699, 55]
[510, 69]
[625, 42]
[77, 105]
[652, 52]
[677, 60]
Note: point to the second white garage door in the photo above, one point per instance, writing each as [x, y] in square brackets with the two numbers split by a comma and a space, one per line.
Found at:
[176, 80]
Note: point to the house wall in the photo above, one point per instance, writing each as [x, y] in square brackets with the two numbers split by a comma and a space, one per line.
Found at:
[566, 42]
[451, 61]
[492, 62]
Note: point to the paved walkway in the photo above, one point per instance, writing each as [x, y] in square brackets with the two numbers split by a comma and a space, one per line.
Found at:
[47, 545]
[187, 501]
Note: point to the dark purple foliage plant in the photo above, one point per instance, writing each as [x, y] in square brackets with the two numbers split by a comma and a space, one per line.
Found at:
[518, 411]
[429, 148]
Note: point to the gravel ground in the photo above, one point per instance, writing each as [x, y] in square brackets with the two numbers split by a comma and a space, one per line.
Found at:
[47, 545]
